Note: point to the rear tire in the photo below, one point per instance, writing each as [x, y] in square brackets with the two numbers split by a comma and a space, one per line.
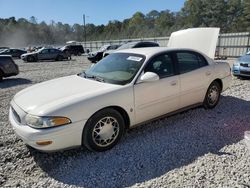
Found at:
[1, 75]
[59, 58]
[212, 96]
[103, 130]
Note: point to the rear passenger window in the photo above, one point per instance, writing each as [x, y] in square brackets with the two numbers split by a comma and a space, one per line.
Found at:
[53, 51]
[189, 61]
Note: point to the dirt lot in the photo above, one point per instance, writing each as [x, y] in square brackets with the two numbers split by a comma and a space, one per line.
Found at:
[197, 148]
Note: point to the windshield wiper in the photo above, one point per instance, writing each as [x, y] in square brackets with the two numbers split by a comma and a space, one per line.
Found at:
[97, 78]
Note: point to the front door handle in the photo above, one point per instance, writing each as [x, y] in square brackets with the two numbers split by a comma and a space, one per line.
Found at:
[208, 73]
[173, 83]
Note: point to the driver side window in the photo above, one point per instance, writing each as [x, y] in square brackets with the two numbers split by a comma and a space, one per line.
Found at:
[162, 65]
[45, 51]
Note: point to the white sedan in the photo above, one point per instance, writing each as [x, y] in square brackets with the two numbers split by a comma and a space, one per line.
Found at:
[124, 89]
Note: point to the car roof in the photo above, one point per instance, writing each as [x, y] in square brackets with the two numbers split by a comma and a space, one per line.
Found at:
[5, 56]
[150, 51]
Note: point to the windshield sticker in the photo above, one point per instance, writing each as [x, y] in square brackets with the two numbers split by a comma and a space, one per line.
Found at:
[134, 58]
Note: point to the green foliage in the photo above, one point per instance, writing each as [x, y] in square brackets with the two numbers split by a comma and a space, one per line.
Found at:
[229, 15]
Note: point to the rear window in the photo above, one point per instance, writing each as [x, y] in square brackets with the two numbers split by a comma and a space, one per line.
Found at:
[146, 44]
[77, 47]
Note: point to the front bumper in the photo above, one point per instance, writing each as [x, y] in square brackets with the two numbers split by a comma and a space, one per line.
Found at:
[241, 71]
[62, 137]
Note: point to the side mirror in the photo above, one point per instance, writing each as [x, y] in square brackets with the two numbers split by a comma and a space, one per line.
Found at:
[149, 77]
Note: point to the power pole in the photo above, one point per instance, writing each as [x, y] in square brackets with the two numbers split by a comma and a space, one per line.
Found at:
[84, 26]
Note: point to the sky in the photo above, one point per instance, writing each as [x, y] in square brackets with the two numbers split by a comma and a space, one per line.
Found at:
[71, 11]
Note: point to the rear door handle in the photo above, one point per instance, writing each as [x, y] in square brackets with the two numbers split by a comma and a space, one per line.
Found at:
[208, 73]
[173, 83]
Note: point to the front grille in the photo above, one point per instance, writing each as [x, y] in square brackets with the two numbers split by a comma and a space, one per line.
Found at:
[17, 117]
[244, 65]
[245, 72]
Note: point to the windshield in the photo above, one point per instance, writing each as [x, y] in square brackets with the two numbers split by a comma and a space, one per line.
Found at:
[117, 68]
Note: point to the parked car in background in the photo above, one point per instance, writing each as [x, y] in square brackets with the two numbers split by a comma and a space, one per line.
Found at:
[7, 67]
[73, 49]
[241, 68]
[141, 44]
[2, 48]
[125, 89]
[13, 52]
[45, 54]
[97, 55]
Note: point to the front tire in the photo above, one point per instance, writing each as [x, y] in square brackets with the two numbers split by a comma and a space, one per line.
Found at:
[212, 96]
[103, 130]
[30, 59]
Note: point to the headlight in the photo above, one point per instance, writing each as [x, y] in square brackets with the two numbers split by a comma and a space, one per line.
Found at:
[236, 64]
[45, 122]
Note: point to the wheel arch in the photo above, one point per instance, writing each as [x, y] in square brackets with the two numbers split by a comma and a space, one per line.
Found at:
[2, 74]
[119, 109]
[219, 81]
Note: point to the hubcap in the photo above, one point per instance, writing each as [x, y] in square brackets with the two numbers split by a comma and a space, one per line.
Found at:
[105, 131]
[213, 95]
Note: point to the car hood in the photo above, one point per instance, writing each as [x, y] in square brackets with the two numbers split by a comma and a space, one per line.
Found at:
[30, 53]
[110, 51]
[244, 59]
[37, 98]
[201, 39]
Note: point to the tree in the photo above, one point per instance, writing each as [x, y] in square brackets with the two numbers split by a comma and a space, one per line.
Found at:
[229, 15]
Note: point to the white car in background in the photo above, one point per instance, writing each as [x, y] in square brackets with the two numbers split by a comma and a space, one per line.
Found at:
[124, 89]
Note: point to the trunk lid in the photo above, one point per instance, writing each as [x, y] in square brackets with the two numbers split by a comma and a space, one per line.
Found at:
[200, 39]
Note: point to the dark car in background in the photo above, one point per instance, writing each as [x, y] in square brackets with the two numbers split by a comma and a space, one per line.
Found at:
[7, 67]
[241, 68]
[73, 49]
[2, 48]
[97, 55]
[140, 44]
[45, 54]
[13, 52]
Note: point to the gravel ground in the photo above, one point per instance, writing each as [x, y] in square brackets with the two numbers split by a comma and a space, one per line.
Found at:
[197, 148]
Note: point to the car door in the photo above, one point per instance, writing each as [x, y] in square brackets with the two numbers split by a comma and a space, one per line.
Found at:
[43, 54]
[15, 53]
[53, 54]
[7, 65]
[195, 77]
[153, 99]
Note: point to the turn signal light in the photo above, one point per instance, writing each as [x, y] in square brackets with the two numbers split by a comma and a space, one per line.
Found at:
[44, 143]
